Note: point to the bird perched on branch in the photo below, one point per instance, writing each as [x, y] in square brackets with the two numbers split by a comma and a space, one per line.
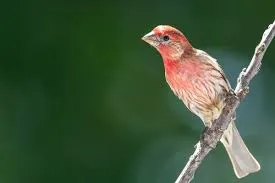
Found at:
[198, 80]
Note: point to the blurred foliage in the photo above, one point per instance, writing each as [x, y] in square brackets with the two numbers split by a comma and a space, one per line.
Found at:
[83, 99]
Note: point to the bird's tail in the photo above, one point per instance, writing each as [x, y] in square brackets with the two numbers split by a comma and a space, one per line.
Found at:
[242, 160]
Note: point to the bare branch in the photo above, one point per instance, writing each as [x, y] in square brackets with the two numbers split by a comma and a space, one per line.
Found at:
[211, 136]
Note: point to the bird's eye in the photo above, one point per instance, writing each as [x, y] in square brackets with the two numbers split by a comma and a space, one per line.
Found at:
[166, 38]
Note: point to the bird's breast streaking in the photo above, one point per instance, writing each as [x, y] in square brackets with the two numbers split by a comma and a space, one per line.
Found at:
[189, 81]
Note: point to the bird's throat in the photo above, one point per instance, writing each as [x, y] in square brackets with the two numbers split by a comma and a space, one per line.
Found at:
[170, 65]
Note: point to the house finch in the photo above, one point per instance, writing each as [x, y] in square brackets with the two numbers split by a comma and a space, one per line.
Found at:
[198, 80]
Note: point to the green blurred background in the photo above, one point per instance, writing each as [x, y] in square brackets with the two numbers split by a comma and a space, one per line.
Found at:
[83, 99]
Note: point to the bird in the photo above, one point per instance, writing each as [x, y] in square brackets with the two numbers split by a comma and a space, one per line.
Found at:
[199, 82]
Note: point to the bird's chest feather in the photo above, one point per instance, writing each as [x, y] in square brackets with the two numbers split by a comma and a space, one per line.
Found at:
[185, 77]
[194, 87]
[193, 84]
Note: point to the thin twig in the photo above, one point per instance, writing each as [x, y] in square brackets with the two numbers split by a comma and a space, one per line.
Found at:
[211, 136]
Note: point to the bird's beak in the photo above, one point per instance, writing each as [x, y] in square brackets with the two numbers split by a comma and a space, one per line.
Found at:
[151, 39]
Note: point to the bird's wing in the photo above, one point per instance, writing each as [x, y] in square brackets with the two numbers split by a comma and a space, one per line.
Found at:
[214, 63]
